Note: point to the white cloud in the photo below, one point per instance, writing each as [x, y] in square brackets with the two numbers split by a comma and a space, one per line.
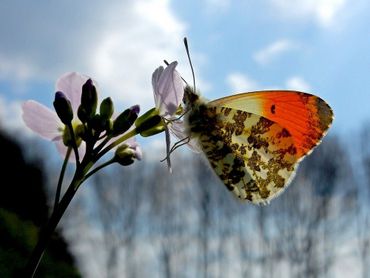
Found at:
[324, 12]
[128, 54]
[119, 44]
[272, 51]
[239, 82]
[297, 83]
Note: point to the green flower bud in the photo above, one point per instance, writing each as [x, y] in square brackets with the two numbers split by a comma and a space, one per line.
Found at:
[63, 108]
[150, 113]
[125, 120]
[124, 155]
[106, 108]
[82, 114]
[98, 123]
[151, 126]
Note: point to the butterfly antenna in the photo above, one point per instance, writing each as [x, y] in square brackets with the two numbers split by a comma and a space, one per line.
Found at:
[191, 64]
[167, 63]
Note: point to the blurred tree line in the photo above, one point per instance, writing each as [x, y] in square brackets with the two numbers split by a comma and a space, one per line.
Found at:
[23, 209]
[141, 221]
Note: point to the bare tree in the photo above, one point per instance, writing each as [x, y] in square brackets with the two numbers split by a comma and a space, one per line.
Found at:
[187, 224]
[363, 197]
[310, 219]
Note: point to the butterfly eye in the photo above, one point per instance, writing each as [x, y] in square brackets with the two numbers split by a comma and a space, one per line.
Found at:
[190, 97]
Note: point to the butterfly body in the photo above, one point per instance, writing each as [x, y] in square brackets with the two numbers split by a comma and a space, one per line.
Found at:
[254, 141]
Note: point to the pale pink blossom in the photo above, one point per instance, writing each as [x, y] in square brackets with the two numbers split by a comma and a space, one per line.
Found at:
[45, 121]
[168, 90]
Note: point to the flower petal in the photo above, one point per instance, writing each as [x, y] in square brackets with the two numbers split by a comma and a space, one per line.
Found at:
[155, 78]
[42, 120]
[70, 84]
[138, 153]
[131, 142]
[168, 89]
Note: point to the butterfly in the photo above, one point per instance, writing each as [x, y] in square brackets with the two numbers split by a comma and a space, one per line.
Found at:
[255, 141]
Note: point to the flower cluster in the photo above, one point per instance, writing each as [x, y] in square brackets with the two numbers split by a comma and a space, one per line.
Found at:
[90, 129]
[79, 124]
[76, 121]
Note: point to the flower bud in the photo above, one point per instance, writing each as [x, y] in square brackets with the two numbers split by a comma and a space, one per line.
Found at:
[98, 123]
[124, 155]
[106, 108]
[63, 108]
[150, 113]
[89, 99]
[82, 114]
[150, 123]
[125, 120]
[151, 126]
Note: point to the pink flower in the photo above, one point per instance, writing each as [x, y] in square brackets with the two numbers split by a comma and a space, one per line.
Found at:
[45, 121]
[168, 90]
[47, 124]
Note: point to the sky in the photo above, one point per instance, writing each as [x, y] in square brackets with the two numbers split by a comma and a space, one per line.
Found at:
[317, 46]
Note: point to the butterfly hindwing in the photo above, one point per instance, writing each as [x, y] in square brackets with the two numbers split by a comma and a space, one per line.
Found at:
[254, 156]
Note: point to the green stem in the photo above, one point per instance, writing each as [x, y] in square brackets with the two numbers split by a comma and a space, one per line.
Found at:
[48, 229]
[117, 142]
[92, 172]
[61, 176]
[103, 143]
[80, 176]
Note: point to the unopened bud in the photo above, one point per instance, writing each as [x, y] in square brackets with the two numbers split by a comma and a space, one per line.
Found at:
[63, 108]
[151, 126]
[98, 123]
[124, 155]
[150, 113]
[125, 120]
[89, 99]
[106, 108]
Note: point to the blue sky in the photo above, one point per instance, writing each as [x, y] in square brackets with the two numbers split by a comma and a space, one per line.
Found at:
[318, 46]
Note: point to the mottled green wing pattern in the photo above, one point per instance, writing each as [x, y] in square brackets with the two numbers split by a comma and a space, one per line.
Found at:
[253, 156]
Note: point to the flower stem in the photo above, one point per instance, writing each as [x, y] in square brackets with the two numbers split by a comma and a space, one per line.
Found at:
[117, 142]
[47, 231]
[61, 176]
[92, 172]
[103, 143]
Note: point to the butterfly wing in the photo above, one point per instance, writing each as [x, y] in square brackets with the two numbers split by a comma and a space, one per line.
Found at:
[254, 156]
[305, 116]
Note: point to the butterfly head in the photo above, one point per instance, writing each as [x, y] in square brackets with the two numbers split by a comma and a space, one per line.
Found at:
[190, 97]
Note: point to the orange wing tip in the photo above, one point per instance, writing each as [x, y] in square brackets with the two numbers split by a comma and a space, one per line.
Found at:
[306, 117]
